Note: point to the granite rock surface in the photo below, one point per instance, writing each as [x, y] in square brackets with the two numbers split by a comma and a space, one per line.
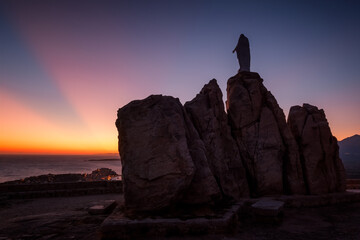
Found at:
[323, 169]
[163, 159]
[258, 124]
[207, 113]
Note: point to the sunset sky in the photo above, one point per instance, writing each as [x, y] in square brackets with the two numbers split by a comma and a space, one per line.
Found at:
[67, 66]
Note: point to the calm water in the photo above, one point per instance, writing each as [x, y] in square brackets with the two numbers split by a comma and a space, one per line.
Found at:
[13, 167]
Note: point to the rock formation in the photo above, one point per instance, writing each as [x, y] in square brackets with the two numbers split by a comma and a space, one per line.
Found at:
[323, 169]
[198, 154]
[243, 53]
[174, 155]
[258, 124]
[207, 113]
[163, 159]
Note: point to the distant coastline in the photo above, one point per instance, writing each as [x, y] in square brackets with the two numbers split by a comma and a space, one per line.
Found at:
[14, 167]
[104, 160]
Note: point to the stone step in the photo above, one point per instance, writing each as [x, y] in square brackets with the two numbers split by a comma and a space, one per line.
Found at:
[268, 208]
[103, 207]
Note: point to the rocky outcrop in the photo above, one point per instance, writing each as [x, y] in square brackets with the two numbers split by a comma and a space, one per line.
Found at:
[207, 113]
[292, 169]
[163, 158]
[266, 145]
[323, 169]
[203, 187]
[198, 154]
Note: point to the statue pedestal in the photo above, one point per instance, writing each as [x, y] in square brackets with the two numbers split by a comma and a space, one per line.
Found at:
[119, 226]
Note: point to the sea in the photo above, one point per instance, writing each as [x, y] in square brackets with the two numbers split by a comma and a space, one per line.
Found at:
[14, 167]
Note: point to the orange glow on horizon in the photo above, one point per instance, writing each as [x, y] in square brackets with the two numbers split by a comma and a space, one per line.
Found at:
[24, 131]
[41, 151]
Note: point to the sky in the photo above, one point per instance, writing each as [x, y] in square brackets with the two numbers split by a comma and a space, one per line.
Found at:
[67, 66]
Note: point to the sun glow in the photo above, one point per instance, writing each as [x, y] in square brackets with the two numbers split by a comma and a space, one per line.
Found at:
[25, 131]
[64, 72]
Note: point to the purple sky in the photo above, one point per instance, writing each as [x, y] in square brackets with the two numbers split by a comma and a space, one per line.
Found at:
[66, 66]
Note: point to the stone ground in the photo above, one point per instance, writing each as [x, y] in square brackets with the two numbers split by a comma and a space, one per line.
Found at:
[52, 218]
[67, 218]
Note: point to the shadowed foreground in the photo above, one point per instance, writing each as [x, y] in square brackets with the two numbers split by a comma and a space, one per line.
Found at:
[68, 218]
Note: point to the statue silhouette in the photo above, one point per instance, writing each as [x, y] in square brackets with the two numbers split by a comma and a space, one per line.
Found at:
[243, 53]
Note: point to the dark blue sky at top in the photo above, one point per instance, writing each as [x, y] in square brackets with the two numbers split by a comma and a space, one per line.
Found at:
[306, 51]
[301, 36]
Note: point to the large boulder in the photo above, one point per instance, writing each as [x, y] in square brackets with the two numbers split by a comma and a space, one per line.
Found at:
[207, 113]
[163, 159]
[267, 146]
[323, 169]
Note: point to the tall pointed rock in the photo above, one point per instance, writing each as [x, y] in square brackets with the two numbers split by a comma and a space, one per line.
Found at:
[267, 147]
[207, 113]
